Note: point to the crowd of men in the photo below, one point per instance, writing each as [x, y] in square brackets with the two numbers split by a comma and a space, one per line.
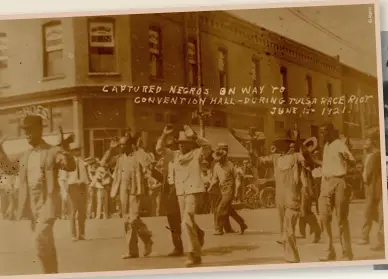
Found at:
[47, 178]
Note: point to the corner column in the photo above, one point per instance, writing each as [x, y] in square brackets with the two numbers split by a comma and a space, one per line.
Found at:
[78, 123]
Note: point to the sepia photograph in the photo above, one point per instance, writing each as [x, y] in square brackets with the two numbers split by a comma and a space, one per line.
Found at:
[190, 139]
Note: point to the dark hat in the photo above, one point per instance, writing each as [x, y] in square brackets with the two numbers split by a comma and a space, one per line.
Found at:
[32, 122]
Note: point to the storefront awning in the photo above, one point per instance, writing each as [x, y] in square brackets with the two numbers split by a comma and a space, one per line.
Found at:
[244, 134]
[217, 135]
[15, 148]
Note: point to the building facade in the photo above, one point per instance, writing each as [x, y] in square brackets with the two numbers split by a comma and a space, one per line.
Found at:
[60, 68]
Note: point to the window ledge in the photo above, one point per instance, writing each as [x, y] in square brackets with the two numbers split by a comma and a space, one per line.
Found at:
[111, 74]
[56, 77]
[5, 85]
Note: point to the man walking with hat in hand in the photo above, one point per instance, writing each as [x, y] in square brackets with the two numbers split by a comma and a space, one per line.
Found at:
[186, 171]
[129, 181]
[38, 189]
[76, 183]
[229, 182]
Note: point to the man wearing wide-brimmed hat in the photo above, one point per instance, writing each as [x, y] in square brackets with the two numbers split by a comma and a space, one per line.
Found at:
[229, 181]
[76, 183]
[130, 183]
[186, 169]
[38, 187]
[288, 173]
[372, 178]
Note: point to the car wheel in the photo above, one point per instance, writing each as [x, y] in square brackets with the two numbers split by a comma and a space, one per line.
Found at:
[251, 196]
[267, 197]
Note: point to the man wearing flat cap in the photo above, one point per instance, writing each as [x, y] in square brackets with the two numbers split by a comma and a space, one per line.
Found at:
[130, 183]
[38, 187]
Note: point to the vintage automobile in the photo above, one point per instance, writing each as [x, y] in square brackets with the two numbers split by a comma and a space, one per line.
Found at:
[259, 193]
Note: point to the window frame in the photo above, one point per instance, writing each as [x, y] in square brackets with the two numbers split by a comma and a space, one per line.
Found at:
[114, 48]
[46, 52]
[159, 57]
[224, 51]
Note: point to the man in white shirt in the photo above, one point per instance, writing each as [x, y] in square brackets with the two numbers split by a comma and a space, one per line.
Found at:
[76, 183]
[335, 192]
[186, 169]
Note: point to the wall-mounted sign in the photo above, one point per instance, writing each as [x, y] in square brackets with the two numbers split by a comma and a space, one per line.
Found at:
[53, 37]
[35, 110]
[101, 34]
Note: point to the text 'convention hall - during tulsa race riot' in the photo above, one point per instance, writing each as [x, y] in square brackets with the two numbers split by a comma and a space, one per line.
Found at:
[190, 139]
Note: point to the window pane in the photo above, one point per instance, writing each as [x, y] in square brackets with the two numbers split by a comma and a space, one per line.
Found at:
[102, 63]
[154, 65]
[221, 61]
[254, 70]
[54, 63]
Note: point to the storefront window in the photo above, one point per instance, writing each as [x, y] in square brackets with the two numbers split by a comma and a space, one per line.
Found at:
[53, 49]
[102, 46]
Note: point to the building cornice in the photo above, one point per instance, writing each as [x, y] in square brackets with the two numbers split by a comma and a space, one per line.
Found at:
[271, 43]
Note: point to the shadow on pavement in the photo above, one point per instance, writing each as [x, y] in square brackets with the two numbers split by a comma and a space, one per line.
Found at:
[223, 250]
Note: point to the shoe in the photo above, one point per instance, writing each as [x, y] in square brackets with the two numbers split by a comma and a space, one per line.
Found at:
[148, 248]
[243, 227]
[218, 233]
[330, 257]
[127, 257]
[82, 237]
[74, 239]
[175, 253]
[316, 238]
[280, 242]
[201, 237]
[193, 262]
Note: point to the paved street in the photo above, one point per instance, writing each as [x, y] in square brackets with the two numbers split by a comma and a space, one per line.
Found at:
[103, 251]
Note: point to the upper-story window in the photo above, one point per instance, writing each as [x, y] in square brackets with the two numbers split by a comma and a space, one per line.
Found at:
[192, 62]
[284, 82]
[53, 49]
[255, 72]
[3, 57]
[222, 67]
[155, 49]
[330, 93]
[102, 45]
[309, 87]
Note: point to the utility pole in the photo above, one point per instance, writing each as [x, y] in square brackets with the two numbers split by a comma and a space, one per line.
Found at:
[201, 116]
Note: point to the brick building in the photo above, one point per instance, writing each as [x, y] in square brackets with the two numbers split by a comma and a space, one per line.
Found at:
[60, 66]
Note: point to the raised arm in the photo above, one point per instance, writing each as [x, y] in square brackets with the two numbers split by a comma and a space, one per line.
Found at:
[160, 147]
[64, 160]
[108, 158]
[6, 164]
